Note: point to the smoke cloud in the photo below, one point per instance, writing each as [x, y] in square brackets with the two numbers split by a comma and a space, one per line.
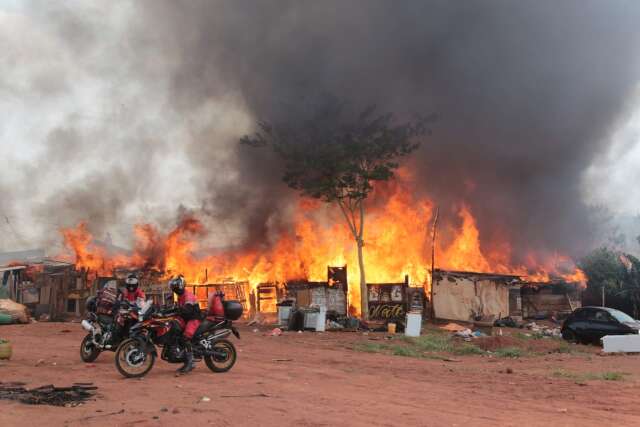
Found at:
[129, 112]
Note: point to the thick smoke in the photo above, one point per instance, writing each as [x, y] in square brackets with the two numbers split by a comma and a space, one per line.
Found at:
[527, 94]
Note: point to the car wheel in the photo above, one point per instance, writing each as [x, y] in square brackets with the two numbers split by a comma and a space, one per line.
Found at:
[569, 335]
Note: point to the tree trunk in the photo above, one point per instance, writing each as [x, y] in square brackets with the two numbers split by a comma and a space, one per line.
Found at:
[364, 294]
[357, 229]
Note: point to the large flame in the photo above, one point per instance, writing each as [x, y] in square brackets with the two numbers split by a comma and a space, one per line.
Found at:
[398, 242]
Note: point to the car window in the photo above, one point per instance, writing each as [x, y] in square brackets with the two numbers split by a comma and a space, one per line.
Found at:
[588, 314]
[580, 314]
[601, 316]
[622, 317]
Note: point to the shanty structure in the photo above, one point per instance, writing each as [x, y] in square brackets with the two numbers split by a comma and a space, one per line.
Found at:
[546, 299]
[468, 296]
[45, 286]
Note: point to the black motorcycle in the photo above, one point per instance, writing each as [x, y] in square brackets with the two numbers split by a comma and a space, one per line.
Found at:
[106, 332]
[164, 328]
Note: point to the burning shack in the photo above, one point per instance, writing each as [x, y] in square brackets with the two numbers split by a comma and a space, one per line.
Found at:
[468, 296]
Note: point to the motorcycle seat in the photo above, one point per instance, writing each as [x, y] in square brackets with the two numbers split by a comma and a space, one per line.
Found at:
[204, 325]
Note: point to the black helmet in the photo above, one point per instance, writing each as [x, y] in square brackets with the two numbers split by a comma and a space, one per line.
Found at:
[131, 282]
[90, 304]
[177, 284]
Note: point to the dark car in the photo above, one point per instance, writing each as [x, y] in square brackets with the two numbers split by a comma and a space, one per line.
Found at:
[589, 324]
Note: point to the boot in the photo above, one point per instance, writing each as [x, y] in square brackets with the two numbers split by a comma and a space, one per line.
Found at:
[188, 360]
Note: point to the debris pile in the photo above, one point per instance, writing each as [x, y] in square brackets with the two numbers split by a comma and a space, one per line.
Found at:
[545, 331]
[468, 334]
[75, 395]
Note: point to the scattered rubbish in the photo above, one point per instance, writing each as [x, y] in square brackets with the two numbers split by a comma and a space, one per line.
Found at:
[44, 317]
[275, 332]
[333, 325]
[465, 333]
[257, 320]
[164, 409]
[48, 394]
[506, 322]
[544, 330]
[256, 331]
[40, 362]
[453, 327]
[448, 359]
[205, 399]
[65, 331]
[282, 360]
[244, 395]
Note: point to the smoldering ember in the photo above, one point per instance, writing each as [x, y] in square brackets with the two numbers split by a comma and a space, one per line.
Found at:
[319, 213]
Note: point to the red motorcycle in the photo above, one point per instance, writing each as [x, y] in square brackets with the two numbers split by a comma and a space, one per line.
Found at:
[163, 328]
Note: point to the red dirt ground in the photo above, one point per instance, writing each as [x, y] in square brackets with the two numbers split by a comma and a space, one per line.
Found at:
[325, 383]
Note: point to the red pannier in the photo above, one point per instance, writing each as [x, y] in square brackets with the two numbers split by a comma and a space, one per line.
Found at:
[216, 308]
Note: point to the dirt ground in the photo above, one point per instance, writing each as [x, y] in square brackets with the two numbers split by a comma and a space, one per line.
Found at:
[316, 379]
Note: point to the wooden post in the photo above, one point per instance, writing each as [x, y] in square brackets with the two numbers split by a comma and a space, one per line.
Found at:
[433, 261]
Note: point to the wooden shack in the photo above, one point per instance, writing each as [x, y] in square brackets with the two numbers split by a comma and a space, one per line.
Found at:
[468, 296]
[47, 286]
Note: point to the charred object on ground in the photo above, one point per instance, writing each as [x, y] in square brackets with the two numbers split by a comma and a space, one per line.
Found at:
[74, 395]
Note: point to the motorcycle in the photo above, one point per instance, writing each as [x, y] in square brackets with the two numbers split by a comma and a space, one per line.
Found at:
[163, 328]
[106, 332]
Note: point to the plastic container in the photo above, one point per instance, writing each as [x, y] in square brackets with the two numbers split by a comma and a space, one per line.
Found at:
[5, 350]
[414, 324]
[391, 328]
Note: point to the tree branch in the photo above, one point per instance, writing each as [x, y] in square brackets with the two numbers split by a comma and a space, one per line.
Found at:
[344, 212]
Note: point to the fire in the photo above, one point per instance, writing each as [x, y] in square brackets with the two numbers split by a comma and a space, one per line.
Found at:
[397, 243]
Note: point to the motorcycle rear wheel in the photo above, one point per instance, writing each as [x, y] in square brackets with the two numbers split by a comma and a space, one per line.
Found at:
[224, 360]
[88, 350]
[132, 361]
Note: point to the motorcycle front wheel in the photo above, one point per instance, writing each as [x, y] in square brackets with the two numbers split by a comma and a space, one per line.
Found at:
[132, 359]
[88, 350]
[223, 357]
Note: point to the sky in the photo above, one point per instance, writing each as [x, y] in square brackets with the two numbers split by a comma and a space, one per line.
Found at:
[112, 114]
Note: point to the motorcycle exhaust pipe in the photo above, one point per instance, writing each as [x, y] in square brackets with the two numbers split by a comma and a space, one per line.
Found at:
[87, 326]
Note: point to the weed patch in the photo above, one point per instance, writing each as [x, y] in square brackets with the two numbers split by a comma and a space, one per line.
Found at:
[590, 376]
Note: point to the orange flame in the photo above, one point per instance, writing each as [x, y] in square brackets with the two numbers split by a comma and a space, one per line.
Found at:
[397, 243]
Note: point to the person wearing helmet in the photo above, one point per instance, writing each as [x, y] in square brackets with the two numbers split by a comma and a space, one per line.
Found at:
[132, 293]
[189, 310]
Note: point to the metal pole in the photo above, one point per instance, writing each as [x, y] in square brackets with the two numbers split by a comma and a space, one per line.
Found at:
[433, 260]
